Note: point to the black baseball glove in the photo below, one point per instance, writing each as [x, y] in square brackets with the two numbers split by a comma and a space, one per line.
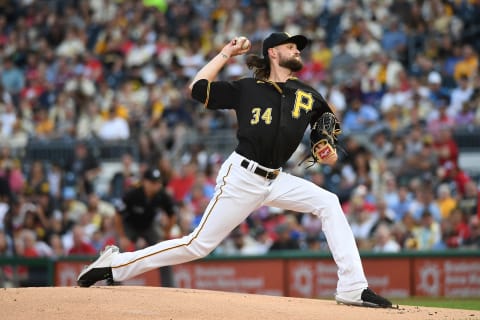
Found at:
[323, 139]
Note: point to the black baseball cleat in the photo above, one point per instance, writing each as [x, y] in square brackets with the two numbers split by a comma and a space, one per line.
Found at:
[100, 269]
[363, 298]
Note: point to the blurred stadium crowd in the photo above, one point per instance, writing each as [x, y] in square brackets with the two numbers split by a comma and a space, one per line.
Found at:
[403, 76]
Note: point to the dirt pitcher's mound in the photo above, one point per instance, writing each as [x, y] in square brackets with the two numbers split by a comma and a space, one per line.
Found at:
[128, 302]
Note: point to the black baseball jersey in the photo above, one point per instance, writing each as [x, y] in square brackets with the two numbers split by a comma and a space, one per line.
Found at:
[139, 212]
[272, 117]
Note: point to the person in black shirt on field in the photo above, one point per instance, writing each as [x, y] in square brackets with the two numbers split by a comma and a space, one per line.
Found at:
[137, 215]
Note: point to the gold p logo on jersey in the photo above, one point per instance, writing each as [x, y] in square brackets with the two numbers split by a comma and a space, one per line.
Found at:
[303, 100]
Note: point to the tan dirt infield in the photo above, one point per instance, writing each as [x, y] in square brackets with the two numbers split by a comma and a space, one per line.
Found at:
[133, 302]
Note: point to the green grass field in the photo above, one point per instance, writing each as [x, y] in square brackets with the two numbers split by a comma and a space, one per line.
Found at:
[453, 303]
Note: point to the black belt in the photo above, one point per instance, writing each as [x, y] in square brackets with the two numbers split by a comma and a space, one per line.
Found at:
[263, 173]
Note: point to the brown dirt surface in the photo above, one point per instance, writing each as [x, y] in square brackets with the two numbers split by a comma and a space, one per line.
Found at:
[133, 302]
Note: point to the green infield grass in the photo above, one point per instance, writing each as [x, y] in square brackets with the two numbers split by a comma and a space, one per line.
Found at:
[453, 303]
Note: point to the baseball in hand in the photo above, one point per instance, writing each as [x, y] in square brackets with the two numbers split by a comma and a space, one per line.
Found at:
[245, 43]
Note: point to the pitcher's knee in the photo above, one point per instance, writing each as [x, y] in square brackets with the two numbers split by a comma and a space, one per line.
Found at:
[199, 250]
[327, 204]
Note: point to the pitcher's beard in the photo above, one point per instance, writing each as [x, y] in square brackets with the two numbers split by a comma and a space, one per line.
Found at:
[292, 64]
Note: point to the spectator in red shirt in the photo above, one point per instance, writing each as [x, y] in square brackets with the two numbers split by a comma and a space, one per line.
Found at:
[182, 181]
[439, 119]
[460, 179]
[447, 150]
[81, 246]
[459, 232]
[25, 243]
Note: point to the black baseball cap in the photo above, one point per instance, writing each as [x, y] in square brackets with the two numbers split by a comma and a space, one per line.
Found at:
[278, 38]
[152, 175]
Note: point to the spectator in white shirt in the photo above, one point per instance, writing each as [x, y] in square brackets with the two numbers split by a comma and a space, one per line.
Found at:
[384, 242]
[7, 120]
[114, 128]
[459, 95]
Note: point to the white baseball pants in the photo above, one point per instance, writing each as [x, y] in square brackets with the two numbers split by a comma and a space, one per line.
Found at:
[239, 192]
